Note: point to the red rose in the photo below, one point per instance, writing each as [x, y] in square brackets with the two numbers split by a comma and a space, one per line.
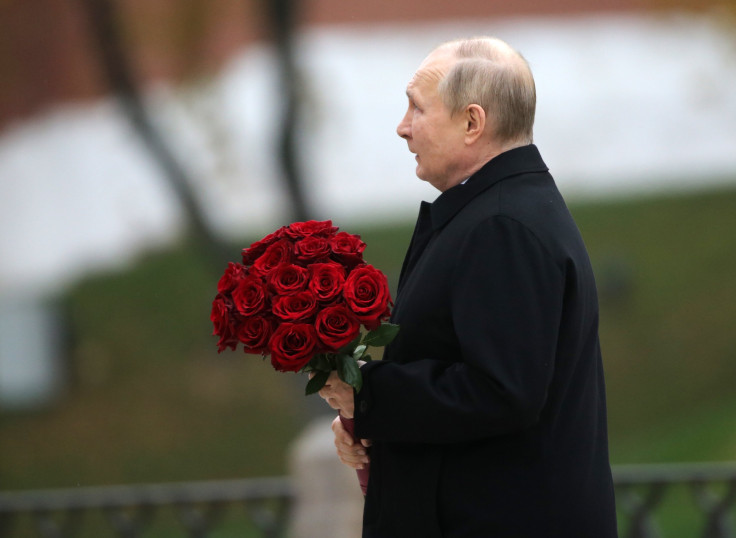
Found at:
[348, 248]
[282, 251]
[250, 297]
[301, 290]
[312, 249]
[288, 279]
[323, 228]
[299, 306]
[366, 293]
[336, 326]
[254, 333]
[251, 253]
[292, 346]
[326, 281]
[233, 274]
[220, 317]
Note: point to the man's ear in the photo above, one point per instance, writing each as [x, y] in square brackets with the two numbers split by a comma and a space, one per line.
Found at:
[475, 123]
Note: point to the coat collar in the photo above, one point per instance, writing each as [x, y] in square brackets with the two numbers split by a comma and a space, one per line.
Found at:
[510, 163]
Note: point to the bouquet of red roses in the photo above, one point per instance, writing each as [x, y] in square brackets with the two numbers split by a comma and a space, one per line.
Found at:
[301, 296]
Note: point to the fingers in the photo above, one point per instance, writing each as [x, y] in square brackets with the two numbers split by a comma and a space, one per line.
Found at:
[349, 452]
[353, 455]
[328, 390]
[338, 395]
[339, 430]
[332, 402]
[325, 393]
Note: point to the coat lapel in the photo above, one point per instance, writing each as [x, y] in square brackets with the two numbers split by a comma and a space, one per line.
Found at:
[434, 216]
[419, 241]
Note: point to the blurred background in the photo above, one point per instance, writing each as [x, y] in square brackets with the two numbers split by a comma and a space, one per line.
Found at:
[143, 143]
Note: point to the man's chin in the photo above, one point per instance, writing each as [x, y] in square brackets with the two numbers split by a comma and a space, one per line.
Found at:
[437, 183]
[420, 173]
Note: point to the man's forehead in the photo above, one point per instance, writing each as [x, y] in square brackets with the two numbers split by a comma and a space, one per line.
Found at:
[433, 69]
[426, 78]
[428, 75]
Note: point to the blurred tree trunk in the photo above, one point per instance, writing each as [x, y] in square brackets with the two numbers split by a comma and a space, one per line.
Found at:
[283, 15]
[106, 32]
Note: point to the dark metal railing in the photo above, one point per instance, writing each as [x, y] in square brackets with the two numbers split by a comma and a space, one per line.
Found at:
[130, 510]
[642, 492]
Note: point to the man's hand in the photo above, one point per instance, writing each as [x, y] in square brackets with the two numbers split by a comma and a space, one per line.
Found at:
[350, 453]
[338, 395]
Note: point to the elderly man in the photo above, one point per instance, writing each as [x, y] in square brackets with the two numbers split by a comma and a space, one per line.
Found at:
[487, 416]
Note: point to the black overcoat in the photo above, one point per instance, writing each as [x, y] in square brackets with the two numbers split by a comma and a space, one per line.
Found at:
[488, 411]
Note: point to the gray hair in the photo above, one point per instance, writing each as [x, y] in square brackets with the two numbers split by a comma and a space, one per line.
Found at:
[491, 74]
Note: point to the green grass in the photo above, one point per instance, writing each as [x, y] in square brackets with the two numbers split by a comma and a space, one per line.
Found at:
[150, 400]
[667, 275]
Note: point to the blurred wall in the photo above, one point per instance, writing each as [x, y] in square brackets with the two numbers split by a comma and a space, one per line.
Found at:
[47, 54]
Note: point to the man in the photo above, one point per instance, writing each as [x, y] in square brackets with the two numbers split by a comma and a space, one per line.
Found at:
[487, 415]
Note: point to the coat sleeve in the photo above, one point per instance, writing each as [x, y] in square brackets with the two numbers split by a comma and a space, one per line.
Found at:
[506, 305]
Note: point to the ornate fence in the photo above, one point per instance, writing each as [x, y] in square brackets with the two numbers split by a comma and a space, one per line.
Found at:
[129, 510]
[708, 491]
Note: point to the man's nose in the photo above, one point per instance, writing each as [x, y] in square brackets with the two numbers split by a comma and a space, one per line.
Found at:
[404, 127]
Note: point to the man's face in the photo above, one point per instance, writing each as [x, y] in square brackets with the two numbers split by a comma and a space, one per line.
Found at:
[428, 128]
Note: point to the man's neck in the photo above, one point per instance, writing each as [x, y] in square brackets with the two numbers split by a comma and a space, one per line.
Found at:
[488, 153]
